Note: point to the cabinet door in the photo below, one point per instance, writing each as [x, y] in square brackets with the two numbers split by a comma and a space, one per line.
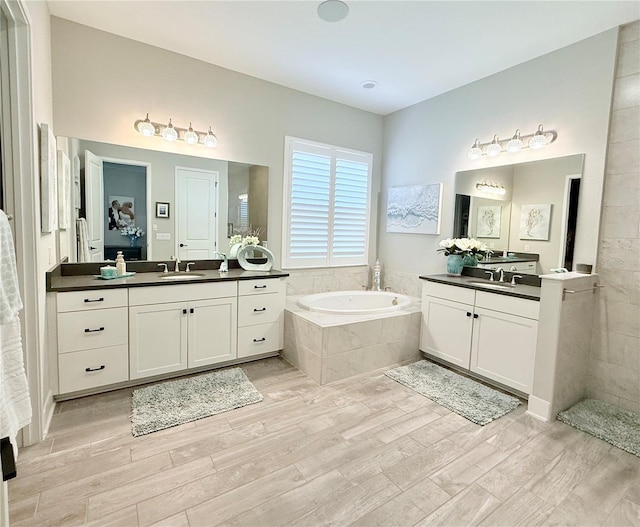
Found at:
[446, 330]
[504, 347]
[157, 339]
[212, 331]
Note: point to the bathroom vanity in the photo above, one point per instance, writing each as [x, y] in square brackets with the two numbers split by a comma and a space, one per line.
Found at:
[112, 333]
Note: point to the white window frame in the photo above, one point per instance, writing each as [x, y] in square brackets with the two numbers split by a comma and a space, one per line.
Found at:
[334, 152]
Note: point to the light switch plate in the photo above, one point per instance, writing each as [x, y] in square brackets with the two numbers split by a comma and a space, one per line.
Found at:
[165, 236]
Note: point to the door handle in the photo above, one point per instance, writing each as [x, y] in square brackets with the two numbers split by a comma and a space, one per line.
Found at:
[92, 248]
[183, 245]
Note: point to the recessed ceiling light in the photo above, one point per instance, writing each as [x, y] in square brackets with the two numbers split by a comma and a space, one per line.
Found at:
[368, 85]
[333, 10]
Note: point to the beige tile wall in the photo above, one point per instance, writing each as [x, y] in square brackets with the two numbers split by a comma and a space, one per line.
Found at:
[614, 360]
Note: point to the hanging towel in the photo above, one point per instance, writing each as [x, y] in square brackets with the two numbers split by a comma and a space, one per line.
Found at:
[84, 254]
[15, 405]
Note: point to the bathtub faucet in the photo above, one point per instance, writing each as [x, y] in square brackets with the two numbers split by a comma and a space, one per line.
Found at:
[377, 285]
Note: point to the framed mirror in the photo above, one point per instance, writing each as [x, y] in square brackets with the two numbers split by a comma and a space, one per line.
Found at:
[176, 204]
[522, 208]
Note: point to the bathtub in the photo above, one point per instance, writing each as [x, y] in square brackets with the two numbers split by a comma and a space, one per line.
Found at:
[355, 302]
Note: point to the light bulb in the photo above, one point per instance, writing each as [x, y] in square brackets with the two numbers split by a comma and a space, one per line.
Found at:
[515, 144]
[146, 128]
[476, 151]
[538, 140]
[190, 136]
[170, 133]
[494, 148]
[210, 140]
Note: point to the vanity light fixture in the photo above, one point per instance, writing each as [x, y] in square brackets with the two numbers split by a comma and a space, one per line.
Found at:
[491, 188]
[515, 144]
[173, 133]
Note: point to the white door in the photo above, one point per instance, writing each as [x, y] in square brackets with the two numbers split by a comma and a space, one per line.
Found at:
[196, 213]
[94, 204]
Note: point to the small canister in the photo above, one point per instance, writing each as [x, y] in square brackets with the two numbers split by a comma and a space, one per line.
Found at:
[108, 271]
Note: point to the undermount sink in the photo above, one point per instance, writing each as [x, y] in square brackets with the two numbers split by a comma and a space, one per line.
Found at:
[491, 285]
[180, 276]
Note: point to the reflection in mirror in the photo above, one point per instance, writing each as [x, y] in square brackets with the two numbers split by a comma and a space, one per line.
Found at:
[184, 205]
[504, 222]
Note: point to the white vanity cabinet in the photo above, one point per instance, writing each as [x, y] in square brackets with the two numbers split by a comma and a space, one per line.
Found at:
[176, 327]
[260, 316]
[93, 339]
[489, 334]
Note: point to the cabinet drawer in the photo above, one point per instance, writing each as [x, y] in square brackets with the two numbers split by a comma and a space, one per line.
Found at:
[92, 329]
[105, 365]
[85, 300]
[257, 287]
[161, 294]
[259, 309]
[508, 304]
[449, 292]
[263, 338]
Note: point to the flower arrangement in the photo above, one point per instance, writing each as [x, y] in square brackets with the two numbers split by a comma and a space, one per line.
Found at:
[132, 231]
[250, 238]
[464, 247]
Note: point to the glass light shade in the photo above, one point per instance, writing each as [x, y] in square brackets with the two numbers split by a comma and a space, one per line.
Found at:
[210, 140]
[515, 144]
[539, 139]
[494, 148]
[170, 133]
[146, 128]
[190, 136]
[476, 151]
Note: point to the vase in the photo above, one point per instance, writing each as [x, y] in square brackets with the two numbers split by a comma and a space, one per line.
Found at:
[233, 250]
[133, 241]
[454, 265]
[470, 260]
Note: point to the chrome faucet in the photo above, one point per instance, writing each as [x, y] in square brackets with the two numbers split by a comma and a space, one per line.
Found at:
[501, 271]
[177, 266]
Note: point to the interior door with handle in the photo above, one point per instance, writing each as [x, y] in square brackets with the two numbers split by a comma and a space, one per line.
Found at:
[196, 213]
[94, 204]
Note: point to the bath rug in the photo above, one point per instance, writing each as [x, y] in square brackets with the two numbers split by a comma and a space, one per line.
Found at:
[173, 403]
[614, 425]
[466, 397]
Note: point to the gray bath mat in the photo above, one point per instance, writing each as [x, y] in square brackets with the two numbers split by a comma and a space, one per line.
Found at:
[614, 425]
[461, 395]
[174, 403]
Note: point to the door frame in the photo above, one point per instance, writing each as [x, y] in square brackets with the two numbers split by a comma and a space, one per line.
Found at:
[22, 146]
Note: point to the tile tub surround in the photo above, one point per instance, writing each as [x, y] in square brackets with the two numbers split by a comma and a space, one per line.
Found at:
[331, 347]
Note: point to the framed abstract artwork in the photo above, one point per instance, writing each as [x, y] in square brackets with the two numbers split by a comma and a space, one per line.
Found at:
[64, 190]
[48, 180]
[489, 221]
[535, 221]
[414, 209]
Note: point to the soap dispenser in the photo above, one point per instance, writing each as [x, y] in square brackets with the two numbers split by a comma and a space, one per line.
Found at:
[121, 265]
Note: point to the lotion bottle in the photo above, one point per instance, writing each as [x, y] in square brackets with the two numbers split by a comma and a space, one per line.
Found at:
[121, 265]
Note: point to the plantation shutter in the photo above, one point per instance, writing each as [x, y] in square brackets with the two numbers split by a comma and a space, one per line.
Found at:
[326, 205]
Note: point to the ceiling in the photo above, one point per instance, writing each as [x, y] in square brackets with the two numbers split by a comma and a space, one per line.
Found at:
[415, 50]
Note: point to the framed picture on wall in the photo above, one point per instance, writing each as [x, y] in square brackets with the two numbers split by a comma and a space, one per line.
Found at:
[489, 221]
[162, 209]
[414, 209]
[48, 179]
[64, 190]
[534, 221]
[120, 212]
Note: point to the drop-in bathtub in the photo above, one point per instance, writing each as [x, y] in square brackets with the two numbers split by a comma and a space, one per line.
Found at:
[355, 302]
[333, 336]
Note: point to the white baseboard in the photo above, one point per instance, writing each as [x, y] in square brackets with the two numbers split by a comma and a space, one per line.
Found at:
[539, 408]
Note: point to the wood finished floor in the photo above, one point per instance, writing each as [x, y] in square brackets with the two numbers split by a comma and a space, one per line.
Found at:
[365, 451]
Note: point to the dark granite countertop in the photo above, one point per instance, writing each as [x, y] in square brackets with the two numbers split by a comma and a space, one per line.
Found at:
[469, 281]
[79, 277]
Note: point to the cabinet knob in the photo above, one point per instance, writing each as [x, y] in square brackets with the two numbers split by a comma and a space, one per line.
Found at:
[475, 315]
[184, 311]
[468, 313]
[192, 310]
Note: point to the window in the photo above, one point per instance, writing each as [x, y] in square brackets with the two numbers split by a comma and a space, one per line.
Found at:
[327, 195]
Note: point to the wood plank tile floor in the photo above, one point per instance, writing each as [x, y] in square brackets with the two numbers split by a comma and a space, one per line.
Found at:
[365, 451]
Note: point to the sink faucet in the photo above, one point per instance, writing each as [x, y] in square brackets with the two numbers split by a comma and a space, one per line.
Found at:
[177, 267]
[501, 271]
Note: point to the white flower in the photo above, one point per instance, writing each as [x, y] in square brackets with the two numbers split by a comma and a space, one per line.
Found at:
[463, 246]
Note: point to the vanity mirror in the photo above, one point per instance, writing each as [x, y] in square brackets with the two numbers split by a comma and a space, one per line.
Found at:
[503, 221]
[185, 205]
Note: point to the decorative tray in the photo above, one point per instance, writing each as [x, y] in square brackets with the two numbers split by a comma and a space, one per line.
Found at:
[100, 277]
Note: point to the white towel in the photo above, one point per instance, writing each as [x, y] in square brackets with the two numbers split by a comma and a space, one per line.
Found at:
[84, 253]
[10, 301]
[15, 405]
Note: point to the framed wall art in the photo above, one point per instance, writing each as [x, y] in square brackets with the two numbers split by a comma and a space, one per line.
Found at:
[535, 221]
[162, 209]
[414, 209]
[64, 190]
[48, 180]
[489, 221]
